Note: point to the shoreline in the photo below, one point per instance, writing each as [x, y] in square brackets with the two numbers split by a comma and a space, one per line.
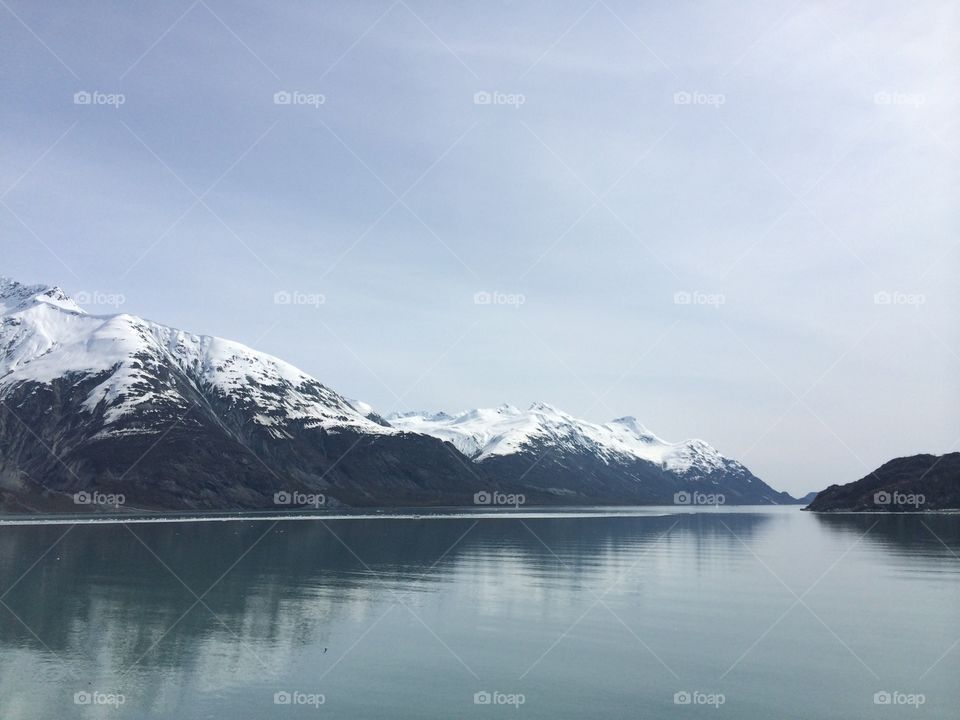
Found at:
[452, 513]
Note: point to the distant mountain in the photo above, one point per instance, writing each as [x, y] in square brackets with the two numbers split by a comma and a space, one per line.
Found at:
[918, 482]
[558, 454]
[117, 406]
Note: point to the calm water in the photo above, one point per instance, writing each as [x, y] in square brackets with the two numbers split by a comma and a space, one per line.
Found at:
[754, 614]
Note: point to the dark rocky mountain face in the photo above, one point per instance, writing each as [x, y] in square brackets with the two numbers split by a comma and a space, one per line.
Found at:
[202, 452]
[118, 405]
[582, 477]
[907, 484]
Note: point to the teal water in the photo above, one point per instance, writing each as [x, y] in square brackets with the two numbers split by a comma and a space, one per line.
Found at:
[747, 613]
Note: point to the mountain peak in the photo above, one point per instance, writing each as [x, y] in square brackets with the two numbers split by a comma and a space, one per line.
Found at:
[634, 426]
[16, 296]
[46, 337]
[542, 407]
[418, 414]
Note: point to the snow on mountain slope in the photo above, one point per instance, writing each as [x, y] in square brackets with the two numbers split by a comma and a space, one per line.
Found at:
[484, 433]
[175, 420]
[45, 336]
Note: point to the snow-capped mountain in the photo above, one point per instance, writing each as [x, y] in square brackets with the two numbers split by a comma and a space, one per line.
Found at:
[185, 420]
[564, 453]
[484, 433]
[45, 336]
[120, 405]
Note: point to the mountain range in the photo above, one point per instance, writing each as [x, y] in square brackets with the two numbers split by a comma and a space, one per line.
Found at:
[120, 407]
[552, 450]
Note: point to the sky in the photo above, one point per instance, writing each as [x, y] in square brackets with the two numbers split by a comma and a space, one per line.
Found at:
[737, 222]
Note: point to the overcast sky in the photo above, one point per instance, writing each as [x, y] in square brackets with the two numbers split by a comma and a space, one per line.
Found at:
[682, 212]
